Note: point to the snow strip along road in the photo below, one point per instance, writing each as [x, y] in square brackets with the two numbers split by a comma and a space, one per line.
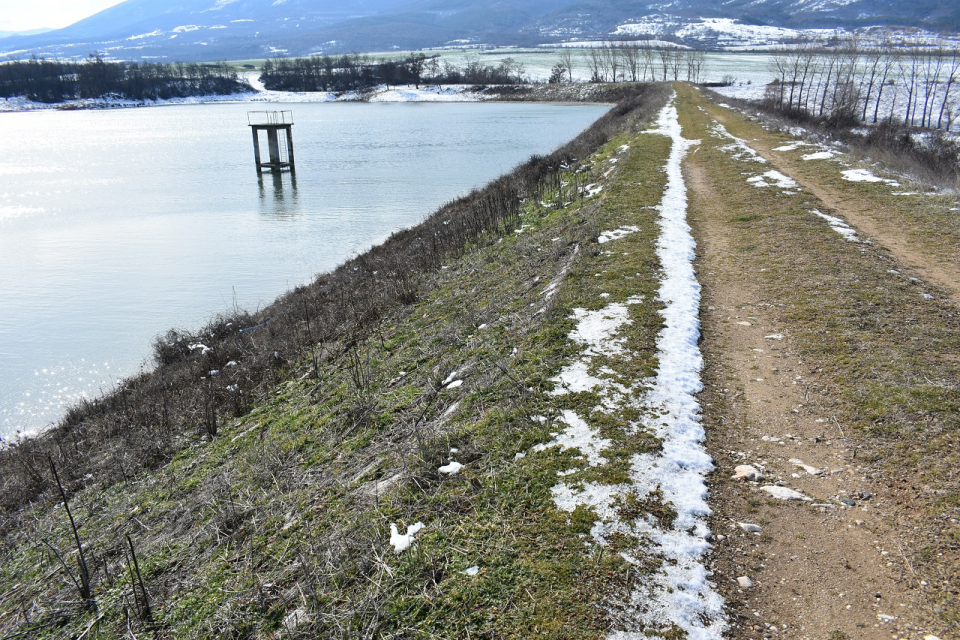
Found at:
[679, 594]
[683, 594]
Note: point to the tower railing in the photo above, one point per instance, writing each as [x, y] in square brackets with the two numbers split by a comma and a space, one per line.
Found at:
[280, 149]
[269, 117]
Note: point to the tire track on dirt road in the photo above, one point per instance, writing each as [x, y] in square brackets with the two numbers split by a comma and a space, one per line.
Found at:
[830, 567]
[933, 256]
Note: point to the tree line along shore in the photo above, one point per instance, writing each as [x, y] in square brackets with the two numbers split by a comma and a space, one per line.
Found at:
[846, 81]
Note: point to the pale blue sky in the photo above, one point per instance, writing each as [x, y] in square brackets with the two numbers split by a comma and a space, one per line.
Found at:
[22, 15]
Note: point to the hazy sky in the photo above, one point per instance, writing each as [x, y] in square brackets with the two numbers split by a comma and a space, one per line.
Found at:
[21, 15]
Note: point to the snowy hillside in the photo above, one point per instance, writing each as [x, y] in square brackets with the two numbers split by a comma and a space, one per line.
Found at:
[238, 29]
[196, 29]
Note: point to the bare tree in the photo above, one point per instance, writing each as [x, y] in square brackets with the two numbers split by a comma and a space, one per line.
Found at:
[808, 65]
[885, 81]
[846, 83]
[932, 68]
[647, 60]
[908, 66]
[567, 60]
[830, 65]
[664, 55]
[781, 66]
[696, 61]
[948, 106]
[794, 66]
[596, 63]
[677, 56]
[845, 96]
[611, 59]
[630, 54]
[872, 69]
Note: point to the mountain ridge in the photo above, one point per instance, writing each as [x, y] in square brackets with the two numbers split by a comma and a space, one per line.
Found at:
[236, 29]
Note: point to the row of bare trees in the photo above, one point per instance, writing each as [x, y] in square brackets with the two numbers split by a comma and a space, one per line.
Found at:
[637, 61]
[53, 81]
[882, 82]
[357, 73]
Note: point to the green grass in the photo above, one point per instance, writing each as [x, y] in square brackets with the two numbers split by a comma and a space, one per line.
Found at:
[287, 512]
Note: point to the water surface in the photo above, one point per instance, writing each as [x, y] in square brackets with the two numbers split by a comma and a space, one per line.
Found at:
[118, 225]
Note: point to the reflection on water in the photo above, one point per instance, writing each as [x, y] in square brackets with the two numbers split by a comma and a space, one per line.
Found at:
[118, 225]
[278, 194]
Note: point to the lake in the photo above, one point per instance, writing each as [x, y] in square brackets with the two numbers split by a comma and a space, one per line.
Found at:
[117, 225]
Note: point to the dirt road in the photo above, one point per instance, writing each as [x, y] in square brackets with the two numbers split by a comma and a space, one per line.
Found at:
[806, 319]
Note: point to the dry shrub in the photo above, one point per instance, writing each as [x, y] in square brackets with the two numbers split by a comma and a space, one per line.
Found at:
[928, 154]
[221, 370]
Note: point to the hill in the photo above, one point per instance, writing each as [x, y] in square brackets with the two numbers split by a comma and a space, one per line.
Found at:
[239, 29]
[196, 29]
[30, 32]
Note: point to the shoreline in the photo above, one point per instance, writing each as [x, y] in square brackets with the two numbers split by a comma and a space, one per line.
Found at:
[71, 414]
[39, 418]
[567, 93]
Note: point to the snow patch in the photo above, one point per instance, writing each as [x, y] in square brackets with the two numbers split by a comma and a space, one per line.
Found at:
[402, 542]
[596, 331]
[616, 234]
[152, 34]
[727, 32]
[839, 226]
[579, 435]
[680, 592]
[793, 146]
[261, 94]
[739, 150]
[863, 175]
[551, 290]
[424, 94]
[451, 469]
[776, 178]
[784, 493]
[819, 155]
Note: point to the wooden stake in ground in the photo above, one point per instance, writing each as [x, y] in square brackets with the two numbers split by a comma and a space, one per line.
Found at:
[86, 593]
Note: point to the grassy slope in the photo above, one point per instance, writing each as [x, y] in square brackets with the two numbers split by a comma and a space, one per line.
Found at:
[280, 524]
[886, 357]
